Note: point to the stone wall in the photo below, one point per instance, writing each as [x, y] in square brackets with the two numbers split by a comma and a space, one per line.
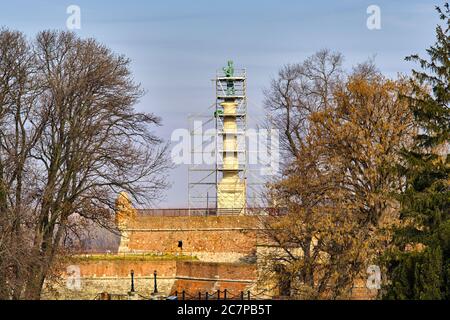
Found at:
[224, 245]
[361, 292]
[194, 277]
[189, 276]
[214, 239]
[113, 276]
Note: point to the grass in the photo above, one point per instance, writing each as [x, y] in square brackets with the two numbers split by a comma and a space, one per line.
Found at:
[132, 257]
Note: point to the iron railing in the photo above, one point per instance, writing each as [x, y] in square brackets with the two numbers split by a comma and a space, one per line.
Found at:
[203, 212]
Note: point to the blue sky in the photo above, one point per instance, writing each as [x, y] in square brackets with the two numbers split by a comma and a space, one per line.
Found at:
[176, 45]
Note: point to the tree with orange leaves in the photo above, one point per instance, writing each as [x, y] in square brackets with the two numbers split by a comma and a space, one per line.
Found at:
[338, 189]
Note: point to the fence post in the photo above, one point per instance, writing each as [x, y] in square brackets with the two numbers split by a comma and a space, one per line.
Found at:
[132, 281]
[206, 295]
[183, 295]
[242, 295]
[199, 295]
[248, 294]
[105, 296]
[225, 294]
[218, 294]
[155, 285]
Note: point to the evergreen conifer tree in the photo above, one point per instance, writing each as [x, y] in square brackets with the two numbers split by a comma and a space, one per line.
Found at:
[419, 267]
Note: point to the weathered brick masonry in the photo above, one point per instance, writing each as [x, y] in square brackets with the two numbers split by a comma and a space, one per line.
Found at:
[214, 239]
[194, 277]
[223, 244]
[225, 247]
[190, 276]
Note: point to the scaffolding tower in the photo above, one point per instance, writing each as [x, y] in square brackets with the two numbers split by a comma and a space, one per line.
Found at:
[217, 178]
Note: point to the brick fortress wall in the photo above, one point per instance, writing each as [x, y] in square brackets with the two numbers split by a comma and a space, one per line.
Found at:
[99, 276]
[211, 239]
[225, 247]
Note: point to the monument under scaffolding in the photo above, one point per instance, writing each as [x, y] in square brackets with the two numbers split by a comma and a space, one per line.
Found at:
[220, 184]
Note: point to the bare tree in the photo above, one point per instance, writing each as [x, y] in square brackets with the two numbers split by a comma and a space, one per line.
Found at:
[300, 90]
[81, 143]
[18, 93]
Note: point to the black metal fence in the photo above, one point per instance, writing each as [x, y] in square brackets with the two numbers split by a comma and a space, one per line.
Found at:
[185, 296]
[203, 212]
[215, 295]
